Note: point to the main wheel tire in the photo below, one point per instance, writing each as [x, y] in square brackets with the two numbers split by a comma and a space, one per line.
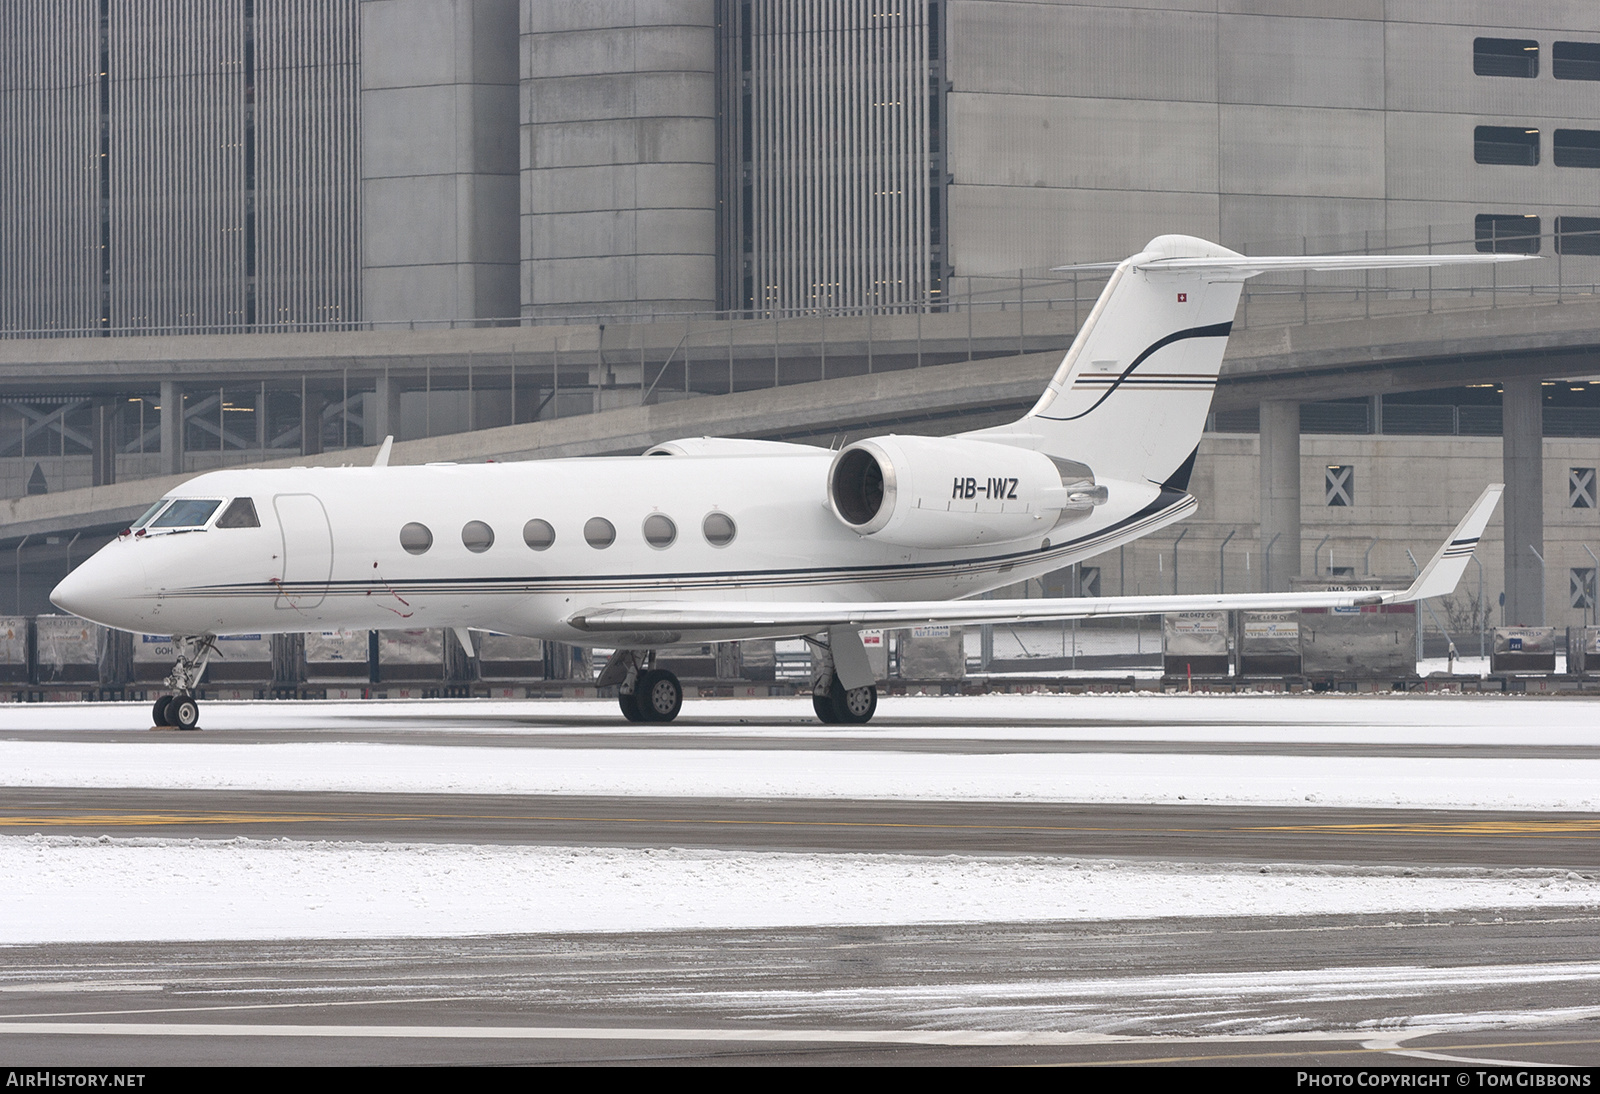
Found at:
[630, 707]
[162, 711]
[660, 695]
[823, 705]
[184, 712]
[856, 706]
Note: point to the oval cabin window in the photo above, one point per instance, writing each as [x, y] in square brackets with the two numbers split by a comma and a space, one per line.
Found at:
[538, 534]
[416, 538]
[659, 531]
[477, 536]
[599, 532]
[719, 529]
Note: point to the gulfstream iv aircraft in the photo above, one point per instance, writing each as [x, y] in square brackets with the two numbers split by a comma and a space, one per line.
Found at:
[703, 540]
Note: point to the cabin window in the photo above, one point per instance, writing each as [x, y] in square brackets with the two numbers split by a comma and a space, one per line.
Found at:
[659, 531]
[538, 534]
[416, 538]
[719, 529]
[240, 513]
[599, 532]
[477, 536]
[187, 513]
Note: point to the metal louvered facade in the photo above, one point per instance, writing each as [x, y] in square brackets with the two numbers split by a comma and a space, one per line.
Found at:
[50, 186]
[833, 155]
[308, 162]
[177, 199]
[179, 165]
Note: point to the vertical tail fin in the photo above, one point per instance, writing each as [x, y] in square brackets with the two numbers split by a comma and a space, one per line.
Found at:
[1131, 396]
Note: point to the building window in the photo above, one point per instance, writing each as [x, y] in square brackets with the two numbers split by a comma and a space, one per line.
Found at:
[1582, 587]
[1575, 61]
[1508, 233]
[1339, 485]
[1089, 581]
[1580, 488]
[1505, 57]
[1576, 148]
[1510, 145]
[1578, 235]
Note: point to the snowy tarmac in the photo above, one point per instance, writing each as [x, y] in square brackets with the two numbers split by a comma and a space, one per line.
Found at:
[1529, 767]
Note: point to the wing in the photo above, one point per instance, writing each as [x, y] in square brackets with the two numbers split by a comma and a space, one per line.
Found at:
[1438, 578]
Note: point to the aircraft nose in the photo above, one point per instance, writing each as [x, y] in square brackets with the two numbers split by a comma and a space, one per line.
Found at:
[91, 591]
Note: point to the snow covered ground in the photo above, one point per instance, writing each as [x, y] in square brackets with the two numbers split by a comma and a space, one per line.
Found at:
[86, 889]
[1133, 777]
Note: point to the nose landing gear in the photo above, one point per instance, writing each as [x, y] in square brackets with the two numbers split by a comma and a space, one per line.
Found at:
[181, 710]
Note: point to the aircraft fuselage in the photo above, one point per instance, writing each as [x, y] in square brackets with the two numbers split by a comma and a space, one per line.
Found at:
[328, 550]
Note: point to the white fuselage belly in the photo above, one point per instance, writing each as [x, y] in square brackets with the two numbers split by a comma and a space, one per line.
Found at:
[295, 574]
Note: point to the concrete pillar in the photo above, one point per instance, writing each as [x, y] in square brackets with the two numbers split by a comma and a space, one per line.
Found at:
[440, 230]
[1280, 494]
[312, 404]
[383, 411]
[103, 438]
[171, 428]
[1522, 432]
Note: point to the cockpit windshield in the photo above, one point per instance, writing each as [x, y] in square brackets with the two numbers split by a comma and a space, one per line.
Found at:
[148, 513]
[187, 513]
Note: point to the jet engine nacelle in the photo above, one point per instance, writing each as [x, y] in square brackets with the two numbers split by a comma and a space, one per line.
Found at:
[951, 492]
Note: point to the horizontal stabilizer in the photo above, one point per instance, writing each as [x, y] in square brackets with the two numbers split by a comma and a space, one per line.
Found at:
[1240, 267]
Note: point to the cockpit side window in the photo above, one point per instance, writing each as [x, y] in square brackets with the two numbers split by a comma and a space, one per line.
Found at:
[187, 513]
[149, 513]
[240, 513]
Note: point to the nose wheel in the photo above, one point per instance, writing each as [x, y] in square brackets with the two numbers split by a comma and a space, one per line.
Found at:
[181, 710]
[177, 711]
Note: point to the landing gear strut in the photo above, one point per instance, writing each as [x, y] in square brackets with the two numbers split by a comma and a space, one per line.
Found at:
[181, 710]
[644, 692]
[834, 703]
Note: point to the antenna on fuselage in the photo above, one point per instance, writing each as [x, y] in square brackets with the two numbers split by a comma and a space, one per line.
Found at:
[383, 452]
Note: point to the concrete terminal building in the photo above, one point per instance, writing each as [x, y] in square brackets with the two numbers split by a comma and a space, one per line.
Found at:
[245, 230]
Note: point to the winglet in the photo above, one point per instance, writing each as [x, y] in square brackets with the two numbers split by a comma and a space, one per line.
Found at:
[383, 453]
[1443, 572]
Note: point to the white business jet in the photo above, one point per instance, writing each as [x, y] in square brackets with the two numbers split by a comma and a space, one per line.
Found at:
[709, 540]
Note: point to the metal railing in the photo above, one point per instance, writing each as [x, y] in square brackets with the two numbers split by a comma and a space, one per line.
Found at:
[1572, 269]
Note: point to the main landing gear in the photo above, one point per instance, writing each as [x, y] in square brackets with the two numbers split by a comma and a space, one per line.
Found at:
[181, 710]
[644, 692]
[834, 703]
